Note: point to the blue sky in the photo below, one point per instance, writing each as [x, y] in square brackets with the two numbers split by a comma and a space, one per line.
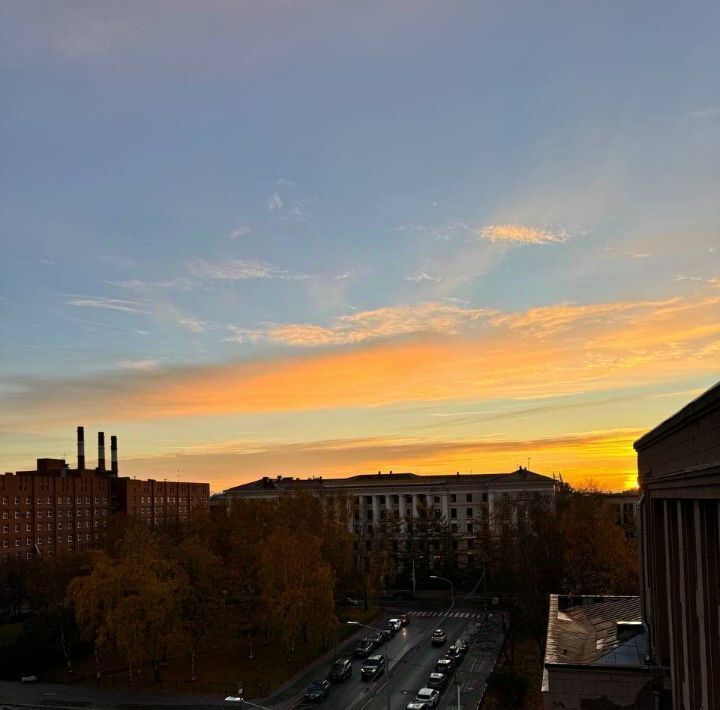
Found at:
[194, 186]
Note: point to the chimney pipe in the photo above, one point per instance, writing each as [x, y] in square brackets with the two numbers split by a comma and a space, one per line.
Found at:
[101, 451]
[113, 455]
[81, 447]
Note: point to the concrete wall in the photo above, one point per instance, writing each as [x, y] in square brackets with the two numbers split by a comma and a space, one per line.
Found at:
[599, 688]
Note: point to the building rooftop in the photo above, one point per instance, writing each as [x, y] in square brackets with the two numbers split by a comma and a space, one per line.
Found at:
[521, 475]
[589, 630]
[708, 401]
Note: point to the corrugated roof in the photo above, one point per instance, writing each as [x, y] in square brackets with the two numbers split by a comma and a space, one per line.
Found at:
[584, 630]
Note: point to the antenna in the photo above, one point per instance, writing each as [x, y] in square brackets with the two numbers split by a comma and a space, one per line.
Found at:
[528, 463]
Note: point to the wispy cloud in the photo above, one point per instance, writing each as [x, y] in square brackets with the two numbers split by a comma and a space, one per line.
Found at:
[196, 325]
[179, 283]
[143, 365]
[275, 202]
[239, 269]
[522, 234]
[386, 322]
[239, 232]
[112, 304]
[418, 276]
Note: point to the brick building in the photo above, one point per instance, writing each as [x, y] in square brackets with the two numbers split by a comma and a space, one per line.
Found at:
[54, 509]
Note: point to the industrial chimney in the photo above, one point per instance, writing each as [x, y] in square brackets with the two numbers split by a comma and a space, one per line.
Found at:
[101, 451]
[81, 447]
[113, 455]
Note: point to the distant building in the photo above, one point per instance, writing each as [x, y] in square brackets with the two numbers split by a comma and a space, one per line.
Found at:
[463, 501]
[679, 540]
[624, 506]
[596, 656]
[55, 509]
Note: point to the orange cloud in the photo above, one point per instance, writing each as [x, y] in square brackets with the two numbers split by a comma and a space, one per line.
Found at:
[522, 234]
[472, 354]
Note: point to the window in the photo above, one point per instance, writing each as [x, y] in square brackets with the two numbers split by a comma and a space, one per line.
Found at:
[5, 528]
[17, 500]
[49, 501]
[39, 501]
[453, 512]
[469, 513]
[29, 555]
[436, 499]
[471, 544]
[69, 538]
[59, 501]
[368, 500]
[5, 500]
[381, 499]
[28, 501]
[29, 542]
[17, 542]
[453, 498]
[28, 528]
[5, 543]
[39, 527]
[5, 515]
[79, 500]
[470, 527]
[468, 498]
[59, 526]
[454, 545]
[17, 527]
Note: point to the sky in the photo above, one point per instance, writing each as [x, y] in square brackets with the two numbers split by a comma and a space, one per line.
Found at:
[325, 237]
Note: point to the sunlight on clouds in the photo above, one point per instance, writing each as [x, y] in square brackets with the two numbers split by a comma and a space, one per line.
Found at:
[522, 234]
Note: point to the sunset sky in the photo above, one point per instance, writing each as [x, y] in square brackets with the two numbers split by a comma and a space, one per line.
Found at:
[304, 237]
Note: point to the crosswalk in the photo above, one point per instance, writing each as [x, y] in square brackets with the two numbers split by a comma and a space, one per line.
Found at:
[451, 615]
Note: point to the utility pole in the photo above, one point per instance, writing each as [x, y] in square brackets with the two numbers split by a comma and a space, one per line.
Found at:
[413, 576]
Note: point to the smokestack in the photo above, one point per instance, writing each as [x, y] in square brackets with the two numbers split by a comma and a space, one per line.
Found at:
[113, 455]
[101, 451]
[81, 447]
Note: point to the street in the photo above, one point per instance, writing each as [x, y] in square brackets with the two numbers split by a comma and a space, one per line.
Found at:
[411, 659]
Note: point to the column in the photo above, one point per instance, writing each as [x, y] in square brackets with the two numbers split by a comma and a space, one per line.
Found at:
[376, 512]
[445, 506]
[361, 511]
[414, 505]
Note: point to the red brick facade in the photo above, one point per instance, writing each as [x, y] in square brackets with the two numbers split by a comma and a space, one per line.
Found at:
[55, 509]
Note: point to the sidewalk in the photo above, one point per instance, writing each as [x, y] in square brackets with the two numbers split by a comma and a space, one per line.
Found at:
[476, 668]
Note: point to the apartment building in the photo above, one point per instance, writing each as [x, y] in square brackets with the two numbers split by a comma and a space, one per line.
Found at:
[54, 509]
[374, 504]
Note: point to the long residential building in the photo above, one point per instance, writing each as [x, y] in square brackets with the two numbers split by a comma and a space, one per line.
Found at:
[56, 509]
[462, 501]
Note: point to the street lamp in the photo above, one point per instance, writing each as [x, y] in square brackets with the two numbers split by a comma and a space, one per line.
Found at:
[387, 657]
[452, 589]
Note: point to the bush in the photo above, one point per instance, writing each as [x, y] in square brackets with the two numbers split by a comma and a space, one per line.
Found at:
[509, 685]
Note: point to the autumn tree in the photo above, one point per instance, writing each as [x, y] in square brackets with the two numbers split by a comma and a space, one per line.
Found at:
[297, 588]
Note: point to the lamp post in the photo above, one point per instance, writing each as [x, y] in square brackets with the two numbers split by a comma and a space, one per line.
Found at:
[452, 588]
[387, 657]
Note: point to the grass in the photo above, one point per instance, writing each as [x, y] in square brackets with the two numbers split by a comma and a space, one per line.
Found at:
[226, 657]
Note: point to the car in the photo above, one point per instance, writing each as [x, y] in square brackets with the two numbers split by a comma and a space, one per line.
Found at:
[462, 646]
[340, 670]
[377, 639]
[396, 623]
[373, 667]
[439, 637]
[429, 696]
[318, 691]
[415, 705]
[404, 619]
[364, 648]
[453, 652]
[446, 666]
[437, 681]
[28, 679]
[390, 628]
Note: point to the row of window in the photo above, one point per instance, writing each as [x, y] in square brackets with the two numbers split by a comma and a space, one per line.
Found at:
[29, 542]
[170, 499]
[80, 525]
[68, 500]
[99, 512]
[395, 499]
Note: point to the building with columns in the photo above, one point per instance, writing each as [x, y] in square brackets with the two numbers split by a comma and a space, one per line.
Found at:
[679, 541]
[377, 503]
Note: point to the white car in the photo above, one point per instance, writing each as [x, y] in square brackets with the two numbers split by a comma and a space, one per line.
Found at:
[428, 696]
[415, 705]
[396, 623]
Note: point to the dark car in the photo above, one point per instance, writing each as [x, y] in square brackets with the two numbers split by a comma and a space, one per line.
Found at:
[437, 681]
[404, 619]
[373, 667]
[318, 691]
[439, 637]
[454, 652]
[340, 670]
[389, 630]
[364, 648]
[445, 665]
[377, 639]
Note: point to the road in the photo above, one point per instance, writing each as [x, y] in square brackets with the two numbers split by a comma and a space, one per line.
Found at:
[412, 659]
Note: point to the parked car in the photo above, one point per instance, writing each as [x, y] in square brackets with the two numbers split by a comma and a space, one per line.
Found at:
[437, 681]
[404, 619]
[415, 705]
[453, 652]
[364, 648]
[396, 623]
[318, 691]
[373, 667]
[446, 666]
[388, 630]
[377, 639]
[439, 637]
[428, 696]
[463, 646]
[340, 670]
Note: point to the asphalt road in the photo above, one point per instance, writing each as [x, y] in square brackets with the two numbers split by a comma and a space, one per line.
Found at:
[412, 659]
